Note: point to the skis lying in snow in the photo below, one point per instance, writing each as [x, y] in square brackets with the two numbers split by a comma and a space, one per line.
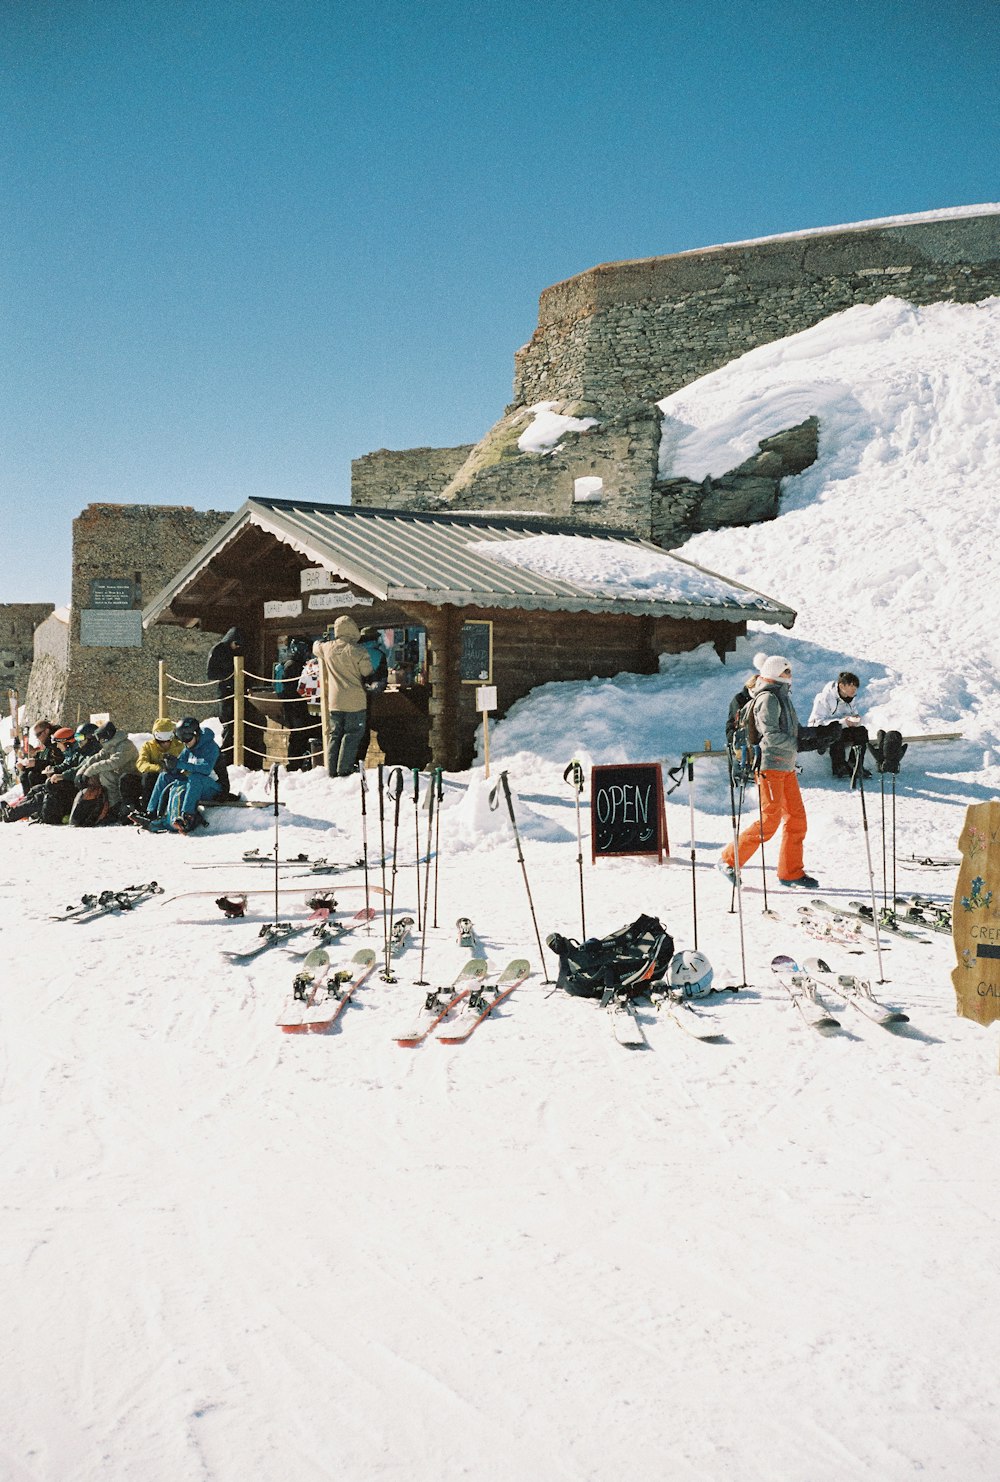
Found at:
[929, 862]
[920, 910]
[90, 907]
[693, 1019]
[440, 1001]
[481, 1002]
[320, 992]
[308, 865]
[625, 1024]
[801, 989]
[841, 929]
[331, 931]
[273, 933]
[854, 991]
[858, 911]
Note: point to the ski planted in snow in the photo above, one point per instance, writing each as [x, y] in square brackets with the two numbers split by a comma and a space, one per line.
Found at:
[482, 1001]
[440, 1001]
[399, 937]
[802, 991]
[467, 937]
[855, 991]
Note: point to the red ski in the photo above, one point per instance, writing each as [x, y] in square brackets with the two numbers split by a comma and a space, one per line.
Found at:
[481, 1003]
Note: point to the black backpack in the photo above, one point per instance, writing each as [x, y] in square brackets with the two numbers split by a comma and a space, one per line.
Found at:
[587, 968]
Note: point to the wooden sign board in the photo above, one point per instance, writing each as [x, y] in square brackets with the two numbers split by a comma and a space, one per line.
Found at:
[475, 656]
[627, 815]
[976, 916]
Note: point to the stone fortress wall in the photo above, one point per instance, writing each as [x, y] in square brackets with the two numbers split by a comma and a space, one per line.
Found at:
[614, 340]
[146, 545]
[18, 623]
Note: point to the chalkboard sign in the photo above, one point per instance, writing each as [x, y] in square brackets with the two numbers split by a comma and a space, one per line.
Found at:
[475, 657]
[627, 815]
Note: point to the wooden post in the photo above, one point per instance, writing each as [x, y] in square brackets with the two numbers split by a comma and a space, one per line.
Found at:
[238, 710]
[161, 689]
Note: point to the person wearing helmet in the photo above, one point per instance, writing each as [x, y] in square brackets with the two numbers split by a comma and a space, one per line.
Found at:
[38, 754]
[345, 666]
[152, 760]
[185, 781]
[107, 769]
[50, 759]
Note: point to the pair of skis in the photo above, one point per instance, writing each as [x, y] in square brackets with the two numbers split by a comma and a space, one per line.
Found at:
[861, 912]
[89, 907]
[803, 985]
[626, 1026]
[274, 933]
[464, 1003]
[321, 992]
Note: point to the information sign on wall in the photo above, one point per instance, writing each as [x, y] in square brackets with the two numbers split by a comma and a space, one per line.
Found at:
[318, 579]
[475, 657]
[110, 629]
[627, 815]
[111, 592]
[976, 916]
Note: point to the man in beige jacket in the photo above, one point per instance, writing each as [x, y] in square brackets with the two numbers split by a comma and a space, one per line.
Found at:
[344, 664]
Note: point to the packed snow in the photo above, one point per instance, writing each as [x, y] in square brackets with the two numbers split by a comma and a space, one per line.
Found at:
[235, 1254]
[617, 570]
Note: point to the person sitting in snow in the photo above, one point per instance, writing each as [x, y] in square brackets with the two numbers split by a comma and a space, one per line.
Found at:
[777, 725]
[38, 754]
[154, 758]
[108, 767]
[185, 781]
[835, 705]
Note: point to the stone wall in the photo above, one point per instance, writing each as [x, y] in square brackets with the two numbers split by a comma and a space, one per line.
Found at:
[640, 330]
[413, 479]
[147, 545]
[614, 340]
[46, 694]
[18, 621]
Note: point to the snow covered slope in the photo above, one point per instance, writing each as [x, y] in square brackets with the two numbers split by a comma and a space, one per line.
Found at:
[234, 1254]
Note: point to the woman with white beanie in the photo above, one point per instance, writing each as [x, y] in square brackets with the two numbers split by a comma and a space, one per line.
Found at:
[780, 799]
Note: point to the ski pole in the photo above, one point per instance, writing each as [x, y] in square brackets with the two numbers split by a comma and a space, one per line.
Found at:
[272, 787]
[694, 874]
[381, 827]
[574, 776]
[885, 869]
[494, 804]
[416, 834]
[364, 832]
[439, 787]
[395, 790]
[737, 881]
[858, 779]
[421, 981]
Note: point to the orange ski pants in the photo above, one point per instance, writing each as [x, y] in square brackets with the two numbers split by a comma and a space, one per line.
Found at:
[780, 802]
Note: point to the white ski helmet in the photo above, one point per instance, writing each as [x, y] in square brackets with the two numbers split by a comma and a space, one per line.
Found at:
[691, 974]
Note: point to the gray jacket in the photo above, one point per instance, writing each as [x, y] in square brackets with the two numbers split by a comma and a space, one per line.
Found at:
[778, 726]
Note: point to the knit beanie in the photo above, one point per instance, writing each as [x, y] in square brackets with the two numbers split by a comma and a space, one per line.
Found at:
[770, 666]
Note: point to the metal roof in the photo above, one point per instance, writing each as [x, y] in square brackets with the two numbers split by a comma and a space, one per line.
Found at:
[404, 555]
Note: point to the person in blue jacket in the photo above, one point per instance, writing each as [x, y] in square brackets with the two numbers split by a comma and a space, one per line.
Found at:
[185, 781]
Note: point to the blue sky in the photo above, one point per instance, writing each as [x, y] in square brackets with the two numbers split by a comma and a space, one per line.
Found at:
[246, 241]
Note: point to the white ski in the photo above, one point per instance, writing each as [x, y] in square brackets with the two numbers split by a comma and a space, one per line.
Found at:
[855, 991]
[802, 991]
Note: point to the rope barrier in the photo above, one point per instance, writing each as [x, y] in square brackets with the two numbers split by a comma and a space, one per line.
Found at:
[192, 684]
[189, 700]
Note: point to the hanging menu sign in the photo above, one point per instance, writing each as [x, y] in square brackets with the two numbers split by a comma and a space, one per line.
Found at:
[627, 814]
[475, 655]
